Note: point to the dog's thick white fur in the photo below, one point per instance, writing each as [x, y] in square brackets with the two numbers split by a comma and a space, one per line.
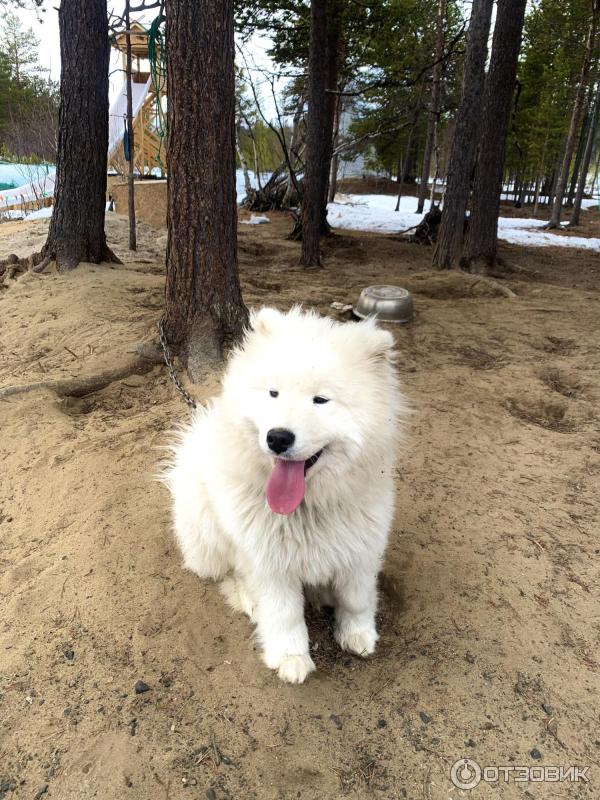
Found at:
[333, 543]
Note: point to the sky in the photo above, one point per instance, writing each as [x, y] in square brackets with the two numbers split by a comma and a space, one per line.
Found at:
[45, 27]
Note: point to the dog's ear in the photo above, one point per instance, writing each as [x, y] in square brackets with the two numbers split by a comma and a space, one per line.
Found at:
[379, 342]
[264, 321]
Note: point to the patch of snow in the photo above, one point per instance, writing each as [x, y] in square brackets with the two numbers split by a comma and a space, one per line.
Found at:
[375, 212]
[256, 220]
[41, 185]
[41, 213]
[240, 184]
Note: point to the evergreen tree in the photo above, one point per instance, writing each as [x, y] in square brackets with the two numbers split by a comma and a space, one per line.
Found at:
[20, 48]
[28, 99]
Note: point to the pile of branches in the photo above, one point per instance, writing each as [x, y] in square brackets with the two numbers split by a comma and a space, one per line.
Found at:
[278, 194]
[426, 232]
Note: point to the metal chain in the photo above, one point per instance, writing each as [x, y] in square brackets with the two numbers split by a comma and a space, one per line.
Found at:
[171, 367]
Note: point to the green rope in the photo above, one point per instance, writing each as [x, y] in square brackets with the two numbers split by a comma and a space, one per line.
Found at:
[158, 73]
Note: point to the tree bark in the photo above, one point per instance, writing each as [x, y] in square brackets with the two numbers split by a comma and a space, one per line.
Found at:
[539, 183]
[204, 308]
[563, 174]
[595, 178]
[464, 143]
[587, 157]
[335, 158]
[77, 226]
[583, 132]
[322, 74]
[482, 235]
[402, 175]
[131, 163]
[331, 100]
[399, 174]
[434, 107]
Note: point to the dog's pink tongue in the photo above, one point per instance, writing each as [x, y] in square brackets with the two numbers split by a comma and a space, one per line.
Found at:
[285, 487]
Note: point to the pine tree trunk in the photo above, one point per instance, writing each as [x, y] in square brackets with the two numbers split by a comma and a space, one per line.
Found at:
[402, 176]
[335, 158]
[434, 108]
[563, 174]
[539, 183]
[464, 144]
[204, 307]
[595, 178]
[130, 133]
[587, 157]
[586, 116]
[77, 226]
[583, 135]
[399, 174]
[323, 65]
[331, 100]
[482, 235]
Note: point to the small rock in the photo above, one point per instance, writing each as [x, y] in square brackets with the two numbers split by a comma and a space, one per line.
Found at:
[141, 687]
[535, 754]
[381, 723]
[469, 743]
[425, 717]
[547, 709]
[211, 794]
[469, 657]
[336, 721]
[133, 726]
[41, 792]
[69, 655]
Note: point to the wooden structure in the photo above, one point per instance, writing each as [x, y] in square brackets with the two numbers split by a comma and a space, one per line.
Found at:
[149, 153]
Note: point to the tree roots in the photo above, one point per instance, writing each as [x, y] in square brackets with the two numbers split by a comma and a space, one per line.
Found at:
[12, 266]
[148, 356]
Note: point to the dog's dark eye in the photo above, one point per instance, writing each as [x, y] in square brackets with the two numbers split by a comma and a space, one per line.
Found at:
[274, 393]
[318, 400]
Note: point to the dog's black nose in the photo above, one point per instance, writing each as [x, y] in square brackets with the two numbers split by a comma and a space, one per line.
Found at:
[280, 440]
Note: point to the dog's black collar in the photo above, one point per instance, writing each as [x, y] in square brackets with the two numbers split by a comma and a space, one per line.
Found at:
[312, 461]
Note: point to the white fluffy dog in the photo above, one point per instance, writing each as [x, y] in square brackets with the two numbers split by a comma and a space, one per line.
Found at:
[285, 481]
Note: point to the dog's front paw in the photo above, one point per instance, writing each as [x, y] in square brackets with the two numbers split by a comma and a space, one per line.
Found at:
[292, 668]
[362, 643]
[235, 594]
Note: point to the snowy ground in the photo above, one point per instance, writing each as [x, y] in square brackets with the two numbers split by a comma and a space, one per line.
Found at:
[375, 212]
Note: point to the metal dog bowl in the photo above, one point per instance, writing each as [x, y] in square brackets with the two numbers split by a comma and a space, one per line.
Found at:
[386, 303]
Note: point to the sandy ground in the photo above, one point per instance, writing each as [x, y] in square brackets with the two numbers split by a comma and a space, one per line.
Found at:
[489, 612]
